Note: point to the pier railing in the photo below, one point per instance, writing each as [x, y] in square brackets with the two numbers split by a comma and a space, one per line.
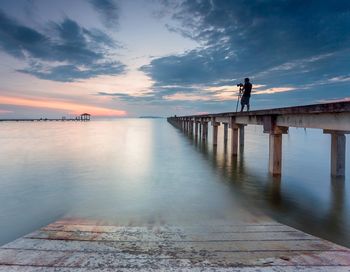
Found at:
[333, 118]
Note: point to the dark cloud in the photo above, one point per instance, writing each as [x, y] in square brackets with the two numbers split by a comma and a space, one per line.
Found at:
[278, 43]
[69, 73]
[108, 10]
[67, 52]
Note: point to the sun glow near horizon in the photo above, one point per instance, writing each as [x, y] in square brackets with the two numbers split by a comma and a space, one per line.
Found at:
[70, 107]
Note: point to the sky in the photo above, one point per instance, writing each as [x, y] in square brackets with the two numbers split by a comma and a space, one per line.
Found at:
[130, 58]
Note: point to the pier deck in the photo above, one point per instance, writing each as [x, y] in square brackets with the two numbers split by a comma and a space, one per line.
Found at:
[85, 245]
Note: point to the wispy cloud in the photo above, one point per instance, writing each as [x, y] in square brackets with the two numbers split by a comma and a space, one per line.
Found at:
[186, 97]
[274, 90]
[345, 99]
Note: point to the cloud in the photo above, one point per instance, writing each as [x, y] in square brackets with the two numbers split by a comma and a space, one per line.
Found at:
[276, 43]
[345, 99]
[108, 10]
[186, 97]
[70, 73]
[67, 52]
[274, 90]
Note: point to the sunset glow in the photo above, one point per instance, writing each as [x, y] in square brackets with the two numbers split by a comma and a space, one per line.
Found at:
[72, 108]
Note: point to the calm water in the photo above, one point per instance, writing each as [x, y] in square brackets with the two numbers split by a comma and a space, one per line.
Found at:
[142, 171]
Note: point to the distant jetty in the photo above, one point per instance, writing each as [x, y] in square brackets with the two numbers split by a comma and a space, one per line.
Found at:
[82, 117]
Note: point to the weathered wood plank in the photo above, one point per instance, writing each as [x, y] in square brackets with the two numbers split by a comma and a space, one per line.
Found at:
[66, 245]
[143, 235]
[209, 259]
[163, 228]
[171, 269]
[79, 246]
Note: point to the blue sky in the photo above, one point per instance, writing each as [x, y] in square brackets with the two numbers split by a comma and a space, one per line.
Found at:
[160, 57]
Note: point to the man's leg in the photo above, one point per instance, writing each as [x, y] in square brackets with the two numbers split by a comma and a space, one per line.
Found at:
[248, 106]
[242, 107]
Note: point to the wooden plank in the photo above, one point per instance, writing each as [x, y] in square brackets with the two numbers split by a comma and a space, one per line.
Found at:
[92, 246]
[192, 229]
[138, 260]
[170, 269]
[79, 246]
[169, 236]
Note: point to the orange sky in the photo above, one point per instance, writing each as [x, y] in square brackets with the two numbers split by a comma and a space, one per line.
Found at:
[72, 108]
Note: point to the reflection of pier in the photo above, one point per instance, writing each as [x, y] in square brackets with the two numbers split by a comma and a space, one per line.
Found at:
[82, 117]
[333, 118]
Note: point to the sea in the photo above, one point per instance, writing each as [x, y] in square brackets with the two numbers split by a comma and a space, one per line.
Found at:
[139, 171]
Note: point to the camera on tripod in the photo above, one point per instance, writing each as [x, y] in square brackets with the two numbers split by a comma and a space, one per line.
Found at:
[240, 85]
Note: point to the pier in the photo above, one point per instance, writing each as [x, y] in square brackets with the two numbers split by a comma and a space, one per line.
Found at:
[83, 117]
[77, 244]
[332, 118]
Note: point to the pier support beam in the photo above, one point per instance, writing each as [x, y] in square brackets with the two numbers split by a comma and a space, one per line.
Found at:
[215, 131]
[196, 128]
[225, 133]
[275, 143]
[204, 131]
[241, 137]
[234, 137]
[338, 146]
[275, 154]
[275, 149]
[190, 127]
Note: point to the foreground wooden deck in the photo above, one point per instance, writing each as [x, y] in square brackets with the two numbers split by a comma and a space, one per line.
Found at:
[85, 245]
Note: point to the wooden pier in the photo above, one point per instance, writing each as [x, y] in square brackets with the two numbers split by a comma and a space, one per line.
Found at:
[83, 117]
[72, 245]
[332, 118]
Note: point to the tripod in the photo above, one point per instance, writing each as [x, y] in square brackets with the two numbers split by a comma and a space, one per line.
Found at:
[239, 97]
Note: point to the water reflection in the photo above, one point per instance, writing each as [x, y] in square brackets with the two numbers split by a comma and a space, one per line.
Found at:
[268, 193]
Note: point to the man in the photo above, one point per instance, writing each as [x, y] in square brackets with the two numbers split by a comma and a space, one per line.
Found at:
[247, 89]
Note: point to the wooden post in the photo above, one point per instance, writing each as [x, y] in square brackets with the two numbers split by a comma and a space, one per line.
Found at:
[204, 131]
[338, 146]
[241, 137]
[338, 154]
[225, 133]
[215, 134]
[191, 127]
[275, 143]
[275, 154]
[215, 131]
[196, 128]
[234, 138]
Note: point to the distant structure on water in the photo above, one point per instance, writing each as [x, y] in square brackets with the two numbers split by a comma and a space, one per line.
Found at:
[85, 117]
[81, 117]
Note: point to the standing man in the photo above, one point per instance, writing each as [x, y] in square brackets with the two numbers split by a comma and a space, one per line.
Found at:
[247, 89]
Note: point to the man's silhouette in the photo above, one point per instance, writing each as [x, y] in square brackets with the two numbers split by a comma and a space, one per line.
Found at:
[247, 89]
